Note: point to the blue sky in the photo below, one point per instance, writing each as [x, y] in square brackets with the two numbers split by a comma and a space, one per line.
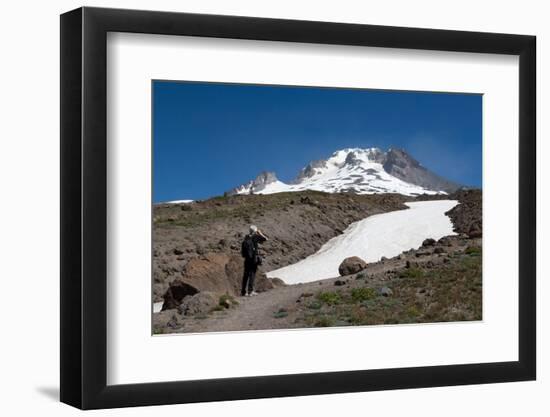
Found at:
[209, 137]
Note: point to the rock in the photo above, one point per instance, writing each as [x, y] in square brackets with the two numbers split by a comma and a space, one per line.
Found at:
[411, 264]
[178, 251]
[446, 241]
[420, 253]
[351, 265]
[439, 249]
[215, 272]
[277, 282]
[339, 282]
[175, 293]
[219, 273]
[475, 231]
[383, 258]
[160, 320]
[385, 292]
[199, 303]
[428, 242]
[263, 283]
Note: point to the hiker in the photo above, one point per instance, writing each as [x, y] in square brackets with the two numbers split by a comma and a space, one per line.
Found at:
[249, 251]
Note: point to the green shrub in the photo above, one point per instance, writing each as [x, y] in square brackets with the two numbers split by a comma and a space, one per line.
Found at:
[363, 294]
[280, 314]
[314, 305]
[227, 298]
[412, 312]
[473, 250]
[329, 297]
[411, 273]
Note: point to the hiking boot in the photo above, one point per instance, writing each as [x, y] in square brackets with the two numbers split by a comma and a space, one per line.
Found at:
[252, 294]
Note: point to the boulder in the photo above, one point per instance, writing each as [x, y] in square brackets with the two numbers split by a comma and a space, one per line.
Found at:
[385, 292]
[160, 320]
[219, 273]
[446, 241]
[277, 282]
[351, 265]
[175, 293]
[263, 283]
[428, 242]
[199, 303]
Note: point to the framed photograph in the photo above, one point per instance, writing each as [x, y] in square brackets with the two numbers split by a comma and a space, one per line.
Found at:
[257, 208]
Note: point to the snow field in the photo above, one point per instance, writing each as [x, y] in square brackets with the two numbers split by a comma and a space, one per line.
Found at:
[386, 234]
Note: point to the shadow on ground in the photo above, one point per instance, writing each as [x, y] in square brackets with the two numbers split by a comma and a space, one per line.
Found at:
[50, 392]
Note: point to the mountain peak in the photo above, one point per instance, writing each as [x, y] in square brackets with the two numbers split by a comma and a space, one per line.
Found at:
[258, 184]
[358, 170]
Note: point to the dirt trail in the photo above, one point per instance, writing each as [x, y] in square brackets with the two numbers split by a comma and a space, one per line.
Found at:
[258, 312]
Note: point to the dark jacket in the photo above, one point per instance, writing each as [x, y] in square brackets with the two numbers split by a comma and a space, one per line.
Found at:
[249, 248]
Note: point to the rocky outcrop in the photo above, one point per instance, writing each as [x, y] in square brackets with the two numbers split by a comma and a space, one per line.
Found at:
[400, 164]
[467, 215]
[310, 170]
[214, 273]
[256, 185]
[351, 265]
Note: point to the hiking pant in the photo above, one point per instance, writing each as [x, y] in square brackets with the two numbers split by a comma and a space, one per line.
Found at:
[249, 276]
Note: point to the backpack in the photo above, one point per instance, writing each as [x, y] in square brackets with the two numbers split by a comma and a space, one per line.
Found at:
[247, 248]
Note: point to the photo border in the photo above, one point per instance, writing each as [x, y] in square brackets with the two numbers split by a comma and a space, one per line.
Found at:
[84, 179]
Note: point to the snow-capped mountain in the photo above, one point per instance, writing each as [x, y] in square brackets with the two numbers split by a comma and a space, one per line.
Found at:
[362, 171]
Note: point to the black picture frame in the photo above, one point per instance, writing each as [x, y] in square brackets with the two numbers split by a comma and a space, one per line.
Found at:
[84, 207]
